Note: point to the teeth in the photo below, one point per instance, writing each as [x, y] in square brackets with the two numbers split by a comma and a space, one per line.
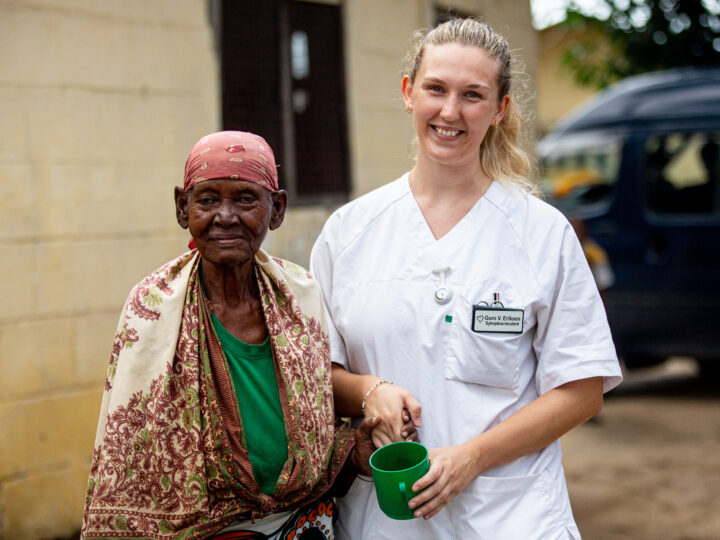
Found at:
[447, 132]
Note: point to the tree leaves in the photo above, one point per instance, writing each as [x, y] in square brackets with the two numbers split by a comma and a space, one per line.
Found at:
[637, 36]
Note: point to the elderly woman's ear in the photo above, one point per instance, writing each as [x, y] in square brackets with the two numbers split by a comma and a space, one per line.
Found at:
[279, 204]
[181, 199]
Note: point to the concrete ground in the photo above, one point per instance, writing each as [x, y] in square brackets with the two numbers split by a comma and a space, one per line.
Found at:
[648, 467]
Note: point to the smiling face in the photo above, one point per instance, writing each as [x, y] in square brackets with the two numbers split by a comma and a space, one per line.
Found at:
[454, 99]
[228, 219]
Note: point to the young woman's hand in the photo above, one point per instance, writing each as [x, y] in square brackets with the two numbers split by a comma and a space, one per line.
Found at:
[452, 468]
[398, 411]
[537, 424]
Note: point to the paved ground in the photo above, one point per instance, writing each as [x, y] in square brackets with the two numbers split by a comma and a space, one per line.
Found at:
[649, 466]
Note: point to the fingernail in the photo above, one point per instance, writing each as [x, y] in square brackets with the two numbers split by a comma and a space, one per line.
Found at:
[404, 434]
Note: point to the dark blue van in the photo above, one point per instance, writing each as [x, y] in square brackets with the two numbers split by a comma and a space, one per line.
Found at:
[640, 165]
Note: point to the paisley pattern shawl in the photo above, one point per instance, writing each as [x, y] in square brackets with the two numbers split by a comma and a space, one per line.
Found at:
[170, 460]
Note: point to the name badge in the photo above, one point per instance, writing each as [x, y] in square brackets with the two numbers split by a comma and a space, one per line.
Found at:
[496, 319]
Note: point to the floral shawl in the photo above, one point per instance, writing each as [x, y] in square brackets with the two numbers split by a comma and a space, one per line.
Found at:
[169, 460]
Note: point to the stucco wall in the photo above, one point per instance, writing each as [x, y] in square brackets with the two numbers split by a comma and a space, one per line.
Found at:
[558, 93]
[100, 103]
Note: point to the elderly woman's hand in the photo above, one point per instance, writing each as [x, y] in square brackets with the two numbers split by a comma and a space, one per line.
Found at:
[399, 414]
[364, 446]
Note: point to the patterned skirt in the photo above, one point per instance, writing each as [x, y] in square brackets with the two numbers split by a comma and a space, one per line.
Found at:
[311, 522]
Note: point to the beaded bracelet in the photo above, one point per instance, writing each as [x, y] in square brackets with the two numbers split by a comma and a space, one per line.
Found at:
[367, 395]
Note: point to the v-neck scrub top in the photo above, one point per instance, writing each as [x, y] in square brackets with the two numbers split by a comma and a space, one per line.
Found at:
[374, 261]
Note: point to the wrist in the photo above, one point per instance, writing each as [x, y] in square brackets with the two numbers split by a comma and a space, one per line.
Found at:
[476, 456]
[357, 466]
[369, 392]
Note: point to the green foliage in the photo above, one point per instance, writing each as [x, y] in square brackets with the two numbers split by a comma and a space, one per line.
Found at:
[637, 36]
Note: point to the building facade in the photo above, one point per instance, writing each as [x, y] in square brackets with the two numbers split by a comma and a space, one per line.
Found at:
[557, 91]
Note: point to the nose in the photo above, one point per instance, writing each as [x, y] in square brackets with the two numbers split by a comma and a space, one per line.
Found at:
[226, 215]
[450, 109]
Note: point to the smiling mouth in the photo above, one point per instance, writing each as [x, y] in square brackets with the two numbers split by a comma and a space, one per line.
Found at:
[447, 132]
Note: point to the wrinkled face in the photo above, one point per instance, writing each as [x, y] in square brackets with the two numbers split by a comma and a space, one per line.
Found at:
[228, 219]
[454, 99]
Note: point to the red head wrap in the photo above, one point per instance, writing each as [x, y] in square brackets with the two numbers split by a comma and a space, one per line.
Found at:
[231, 154]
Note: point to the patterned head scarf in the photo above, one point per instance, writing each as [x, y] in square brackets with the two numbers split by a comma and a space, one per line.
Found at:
[231, 154]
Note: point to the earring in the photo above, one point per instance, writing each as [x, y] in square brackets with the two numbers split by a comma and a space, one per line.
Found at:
[408, 109]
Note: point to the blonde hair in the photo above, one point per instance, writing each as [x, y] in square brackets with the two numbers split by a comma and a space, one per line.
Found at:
[503, 152]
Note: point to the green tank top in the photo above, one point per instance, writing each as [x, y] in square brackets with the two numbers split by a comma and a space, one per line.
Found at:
[253, 376]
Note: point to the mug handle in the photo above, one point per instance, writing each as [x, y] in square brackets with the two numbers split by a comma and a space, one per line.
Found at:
[403, 494]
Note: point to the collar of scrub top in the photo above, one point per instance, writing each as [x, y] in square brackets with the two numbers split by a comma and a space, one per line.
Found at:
[443, 294]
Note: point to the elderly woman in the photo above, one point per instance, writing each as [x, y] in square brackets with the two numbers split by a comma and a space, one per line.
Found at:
[217, 419]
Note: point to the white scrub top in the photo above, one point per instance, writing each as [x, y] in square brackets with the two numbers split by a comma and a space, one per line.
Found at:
[374, 261]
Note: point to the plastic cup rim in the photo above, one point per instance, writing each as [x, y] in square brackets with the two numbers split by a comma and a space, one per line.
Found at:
[374, 468]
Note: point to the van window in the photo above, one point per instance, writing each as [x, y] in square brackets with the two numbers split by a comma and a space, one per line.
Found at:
[580, 171]
[682, 174]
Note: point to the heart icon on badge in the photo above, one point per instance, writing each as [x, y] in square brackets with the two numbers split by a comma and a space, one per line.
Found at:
[480, 318]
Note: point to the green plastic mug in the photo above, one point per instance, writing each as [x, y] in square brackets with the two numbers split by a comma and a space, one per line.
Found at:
[395, 468]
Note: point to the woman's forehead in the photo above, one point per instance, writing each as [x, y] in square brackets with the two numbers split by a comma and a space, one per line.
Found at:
[456, 60]
[228, 185]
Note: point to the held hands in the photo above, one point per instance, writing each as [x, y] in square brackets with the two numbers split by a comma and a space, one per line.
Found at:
[398, 412]
[364, 446]
[452, 468]
[392, 415]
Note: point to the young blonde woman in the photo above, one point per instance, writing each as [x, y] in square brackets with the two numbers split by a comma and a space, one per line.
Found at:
[454, 289]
